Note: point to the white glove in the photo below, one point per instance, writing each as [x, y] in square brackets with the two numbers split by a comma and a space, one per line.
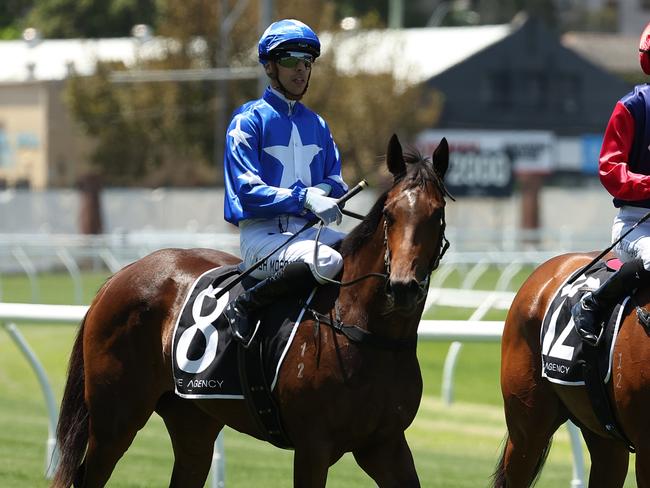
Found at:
[325, 208]
[322, 188]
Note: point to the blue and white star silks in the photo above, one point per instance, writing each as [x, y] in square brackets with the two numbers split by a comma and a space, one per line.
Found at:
[295, 158]
[272, 155]
[238, 135]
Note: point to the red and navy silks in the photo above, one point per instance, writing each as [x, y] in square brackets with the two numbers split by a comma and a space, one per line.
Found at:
[624, 167]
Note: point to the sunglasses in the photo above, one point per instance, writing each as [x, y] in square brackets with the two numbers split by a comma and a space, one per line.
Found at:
[291, 60]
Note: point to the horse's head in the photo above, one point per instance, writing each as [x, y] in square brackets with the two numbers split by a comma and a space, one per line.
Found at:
[413, 223]
[407, 226]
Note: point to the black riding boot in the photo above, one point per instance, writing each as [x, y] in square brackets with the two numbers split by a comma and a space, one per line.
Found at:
[241, 313]
[589, 313]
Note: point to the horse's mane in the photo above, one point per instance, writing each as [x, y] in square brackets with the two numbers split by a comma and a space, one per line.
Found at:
[419, 172]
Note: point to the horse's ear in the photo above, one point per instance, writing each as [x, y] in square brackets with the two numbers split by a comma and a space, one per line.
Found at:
[394, 157]
[440, 158]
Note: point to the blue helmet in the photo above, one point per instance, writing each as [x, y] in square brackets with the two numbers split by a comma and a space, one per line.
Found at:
[287, 35]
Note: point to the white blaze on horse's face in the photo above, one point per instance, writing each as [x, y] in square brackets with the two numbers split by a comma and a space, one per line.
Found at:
[411, 197]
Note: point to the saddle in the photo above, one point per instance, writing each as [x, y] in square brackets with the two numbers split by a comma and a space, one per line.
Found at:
[209, 363]
[567, 360]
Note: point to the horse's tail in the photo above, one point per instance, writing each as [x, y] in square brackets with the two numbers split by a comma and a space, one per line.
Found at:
[72, 429]
[499, 475]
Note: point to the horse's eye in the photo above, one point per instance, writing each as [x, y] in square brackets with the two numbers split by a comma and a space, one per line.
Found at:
[388, 217]
[437, 215]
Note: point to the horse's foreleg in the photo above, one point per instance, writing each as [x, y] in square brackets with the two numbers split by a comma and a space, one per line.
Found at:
[609, 461]
[389, 463]
[192, 432]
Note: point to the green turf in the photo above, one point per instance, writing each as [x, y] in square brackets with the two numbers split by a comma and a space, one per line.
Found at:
[455, 446]
[55, 288]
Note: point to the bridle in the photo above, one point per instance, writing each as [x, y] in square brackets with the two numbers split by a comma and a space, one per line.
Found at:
[442, 245]
[359, 335]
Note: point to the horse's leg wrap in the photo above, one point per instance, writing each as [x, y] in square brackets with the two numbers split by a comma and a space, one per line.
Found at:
[241, 313]
[589, 312]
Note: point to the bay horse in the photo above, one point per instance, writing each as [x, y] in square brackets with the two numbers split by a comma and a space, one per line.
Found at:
[535, 408]
[345, 397]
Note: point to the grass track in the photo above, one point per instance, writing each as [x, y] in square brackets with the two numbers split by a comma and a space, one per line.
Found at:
[453, 447]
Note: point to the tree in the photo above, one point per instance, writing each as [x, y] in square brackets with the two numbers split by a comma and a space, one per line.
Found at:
[153, 134]
[11, 13]
[364, 110]
[90, 18]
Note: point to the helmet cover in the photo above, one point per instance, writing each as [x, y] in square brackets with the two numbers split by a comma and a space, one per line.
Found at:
[287, 35]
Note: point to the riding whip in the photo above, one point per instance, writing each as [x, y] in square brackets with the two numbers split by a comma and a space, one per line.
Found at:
[597, 258]
[341, 201]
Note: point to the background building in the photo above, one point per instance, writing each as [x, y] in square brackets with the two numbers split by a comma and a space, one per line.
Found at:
[40, 144]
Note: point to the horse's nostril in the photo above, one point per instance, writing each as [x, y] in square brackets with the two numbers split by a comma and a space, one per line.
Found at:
[403, 289]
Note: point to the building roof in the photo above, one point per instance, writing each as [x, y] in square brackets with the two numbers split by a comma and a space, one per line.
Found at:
[615, 53]
[411, 55]
[55, 59]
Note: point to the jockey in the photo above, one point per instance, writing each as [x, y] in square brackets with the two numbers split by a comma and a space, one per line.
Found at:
[624, 170]
[281, 169]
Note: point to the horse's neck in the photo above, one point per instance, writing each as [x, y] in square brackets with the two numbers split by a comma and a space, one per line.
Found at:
[363, 304]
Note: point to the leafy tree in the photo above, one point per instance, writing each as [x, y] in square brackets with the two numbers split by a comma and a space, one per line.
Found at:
[11, 13]
[90, 18]
[500, 11]
[162, 133]
[151, 134]
[452, 12]
[364, 110]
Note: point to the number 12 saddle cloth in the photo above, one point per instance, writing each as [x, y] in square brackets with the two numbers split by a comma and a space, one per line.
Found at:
[562, 348]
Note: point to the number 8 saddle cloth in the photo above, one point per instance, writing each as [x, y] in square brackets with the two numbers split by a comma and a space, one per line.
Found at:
[562, 348]
[204, 352]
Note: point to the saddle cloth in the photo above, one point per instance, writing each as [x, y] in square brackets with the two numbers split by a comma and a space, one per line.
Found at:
[562, 348]
[204, 352]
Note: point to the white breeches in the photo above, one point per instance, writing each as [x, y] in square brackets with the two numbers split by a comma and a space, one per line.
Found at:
[637, 243]
[260, 237]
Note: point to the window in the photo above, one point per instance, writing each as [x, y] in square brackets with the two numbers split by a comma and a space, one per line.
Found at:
[568, 88]
[534, 85]
[500, 89]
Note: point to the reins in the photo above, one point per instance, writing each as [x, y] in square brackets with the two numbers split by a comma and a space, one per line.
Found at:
[336, 282]
[352, 192]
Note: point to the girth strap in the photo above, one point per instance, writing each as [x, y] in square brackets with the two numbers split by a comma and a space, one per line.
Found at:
[600, 402]
[258, 395]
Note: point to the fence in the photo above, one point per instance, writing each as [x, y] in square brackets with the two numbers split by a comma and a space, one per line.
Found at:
[444, 330]
[31, 255]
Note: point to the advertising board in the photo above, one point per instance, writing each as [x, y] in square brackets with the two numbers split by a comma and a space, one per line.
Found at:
[483, 163]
